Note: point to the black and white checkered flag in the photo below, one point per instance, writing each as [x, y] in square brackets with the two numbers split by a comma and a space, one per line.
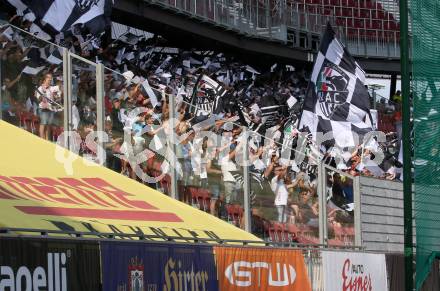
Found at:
[337, 100]
[63, 15]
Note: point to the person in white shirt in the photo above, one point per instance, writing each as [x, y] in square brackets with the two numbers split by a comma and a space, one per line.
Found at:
[46, 94]
[229, 168]
[278, 186]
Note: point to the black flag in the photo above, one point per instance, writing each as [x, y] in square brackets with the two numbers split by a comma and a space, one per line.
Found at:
[60, 16]
[337, 100]
[206, 98]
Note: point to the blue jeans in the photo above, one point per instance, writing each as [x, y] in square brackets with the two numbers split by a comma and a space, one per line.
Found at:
[46, 117]
[282, 215]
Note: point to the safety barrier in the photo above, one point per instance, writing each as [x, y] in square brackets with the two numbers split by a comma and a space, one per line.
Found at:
[315, 217]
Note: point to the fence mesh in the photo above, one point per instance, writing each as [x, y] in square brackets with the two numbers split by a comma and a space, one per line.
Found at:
[425, 17]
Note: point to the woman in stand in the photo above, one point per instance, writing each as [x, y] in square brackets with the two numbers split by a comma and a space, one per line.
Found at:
[46, 95]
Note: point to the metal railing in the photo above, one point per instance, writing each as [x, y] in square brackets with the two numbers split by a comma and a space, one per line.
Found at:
[253, 18]
[369, 37]
[284, 21]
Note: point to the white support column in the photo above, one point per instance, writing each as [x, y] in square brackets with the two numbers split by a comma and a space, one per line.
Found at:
[357, 212]
[1, 92]
[67, 92]
[246, 183]
[172, 146]
[100, 113]
[322, 204]
[268, 18]
[374, 99]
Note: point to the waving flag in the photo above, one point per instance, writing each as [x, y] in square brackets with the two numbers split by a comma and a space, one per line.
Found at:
[206, 98]
[337, 100]
[60, 16]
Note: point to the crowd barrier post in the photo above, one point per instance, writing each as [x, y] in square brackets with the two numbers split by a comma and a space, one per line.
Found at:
[322, 204]
[68, 101]
[357, 211]
[246, 182]
[172, 147]
[1, 91]
[66, 94]
[100, 113]
[374, 99]
[71, 66]
[356, 201]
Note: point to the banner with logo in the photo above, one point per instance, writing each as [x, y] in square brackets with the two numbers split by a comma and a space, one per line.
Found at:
[45, 187]
[345, 271]
[43, 264]
[157, 267]
[247, 269]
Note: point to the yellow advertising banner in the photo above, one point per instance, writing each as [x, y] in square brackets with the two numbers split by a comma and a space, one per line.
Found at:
[45, 187]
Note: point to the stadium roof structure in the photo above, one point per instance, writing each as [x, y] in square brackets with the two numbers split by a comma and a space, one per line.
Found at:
[47, 189]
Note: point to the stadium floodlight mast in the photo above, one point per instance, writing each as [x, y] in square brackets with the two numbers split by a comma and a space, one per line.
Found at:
[406, 140]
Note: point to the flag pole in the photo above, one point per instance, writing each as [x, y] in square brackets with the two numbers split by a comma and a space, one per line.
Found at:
[406, 140]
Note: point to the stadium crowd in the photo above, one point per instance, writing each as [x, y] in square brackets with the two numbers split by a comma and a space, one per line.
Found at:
[142, 72]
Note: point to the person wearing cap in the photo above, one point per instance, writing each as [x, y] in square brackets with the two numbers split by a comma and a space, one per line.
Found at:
[397, 97]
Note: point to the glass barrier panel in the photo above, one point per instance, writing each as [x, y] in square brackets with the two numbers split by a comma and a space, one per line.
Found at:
[305, 203]
[340, 208]
[232, 163]
[209, 171]
[264, 214]
[114, 127]
[137, 131]
[285, 205]
[84, 109]
[156, 148]
[32, 83]
[114, 84]
[199, 172]
[188, 162]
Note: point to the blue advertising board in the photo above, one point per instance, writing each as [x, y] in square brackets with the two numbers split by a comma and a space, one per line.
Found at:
[140, 266]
